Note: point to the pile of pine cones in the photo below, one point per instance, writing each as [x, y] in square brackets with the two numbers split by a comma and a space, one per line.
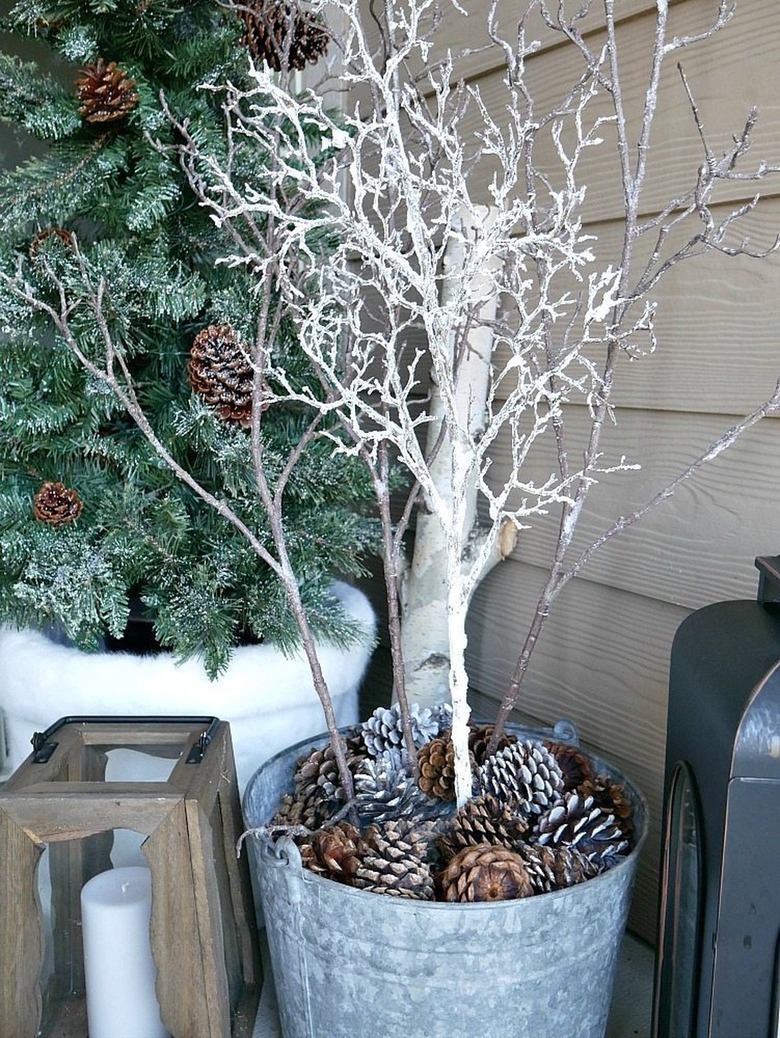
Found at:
[540, 819]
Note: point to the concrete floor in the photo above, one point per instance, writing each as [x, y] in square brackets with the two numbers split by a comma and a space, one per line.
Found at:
[629, 1017]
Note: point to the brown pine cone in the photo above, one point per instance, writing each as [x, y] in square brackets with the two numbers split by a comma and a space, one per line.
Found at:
[293, 811]
[577, 821]
[436, 768]
[574, 764]
[553, 868]
[107, 94]
[220, 371]
[317, 793]
[612, 798]
[270, 24]
[479, 737]
[485, 873]
[45, 27]
[51, 232]
[56, 505]
[482, 820]
[395, 860]
[334, 852]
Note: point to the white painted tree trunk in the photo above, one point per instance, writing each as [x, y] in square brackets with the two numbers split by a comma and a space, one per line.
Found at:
[440, 580]
[426, 601]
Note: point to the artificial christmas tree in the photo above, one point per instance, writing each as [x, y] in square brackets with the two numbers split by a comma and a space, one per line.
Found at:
[92, 515]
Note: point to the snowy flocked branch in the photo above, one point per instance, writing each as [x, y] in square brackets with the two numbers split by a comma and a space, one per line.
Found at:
[462, 304]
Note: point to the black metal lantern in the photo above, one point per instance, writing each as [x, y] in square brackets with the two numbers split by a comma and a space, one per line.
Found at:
[718, 965]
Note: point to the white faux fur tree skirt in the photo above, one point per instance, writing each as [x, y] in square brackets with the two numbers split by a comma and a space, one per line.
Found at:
[267, 697]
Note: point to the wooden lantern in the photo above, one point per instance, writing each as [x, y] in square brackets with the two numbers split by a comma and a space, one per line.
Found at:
[203, 931]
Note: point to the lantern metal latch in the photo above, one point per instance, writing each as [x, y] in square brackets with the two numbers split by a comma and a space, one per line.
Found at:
[42, 747]
[199, 747]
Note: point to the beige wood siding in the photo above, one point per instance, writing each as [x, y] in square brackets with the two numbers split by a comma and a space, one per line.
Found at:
[603, 661]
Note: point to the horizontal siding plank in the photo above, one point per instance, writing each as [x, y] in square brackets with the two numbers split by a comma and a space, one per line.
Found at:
[466, 34]
[699, 545]
[625, 638]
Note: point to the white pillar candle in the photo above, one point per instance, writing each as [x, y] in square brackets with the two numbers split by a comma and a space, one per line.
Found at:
[118, 964]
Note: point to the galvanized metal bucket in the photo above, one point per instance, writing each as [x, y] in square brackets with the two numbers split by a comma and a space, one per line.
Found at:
[350, 964]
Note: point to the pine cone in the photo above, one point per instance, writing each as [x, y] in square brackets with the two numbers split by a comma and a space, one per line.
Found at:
[268, 26]
[436, 764]
[334, 852]
[395, 861]
[293, 812]
[317, 792]
[107, 94]
[441, 714]
[383, 731]
[56, 505]
[577, 821]
[613, 798]
[220, 371]
[525, 776]
[553, 868]
[63, 236]
[46, 27]
[574, 764]
[485, 873]
[482, 820]
[479, 737]
[385, 789]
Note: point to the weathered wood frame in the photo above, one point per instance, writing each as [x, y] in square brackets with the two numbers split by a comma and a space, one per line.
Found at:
[203, 929]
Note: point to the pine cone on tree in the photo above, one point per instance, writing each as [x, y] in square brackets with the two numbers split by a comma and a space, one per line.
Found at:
[334, 852]
[58, 233]
[482, 819]
[395, 860]
[280, 33]
[574, 764]
[45, 26]
[485, 873]
[220, 371]
[553, 868]
[106, 92]
[56, 505]
[577, 821]
[525, 776]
